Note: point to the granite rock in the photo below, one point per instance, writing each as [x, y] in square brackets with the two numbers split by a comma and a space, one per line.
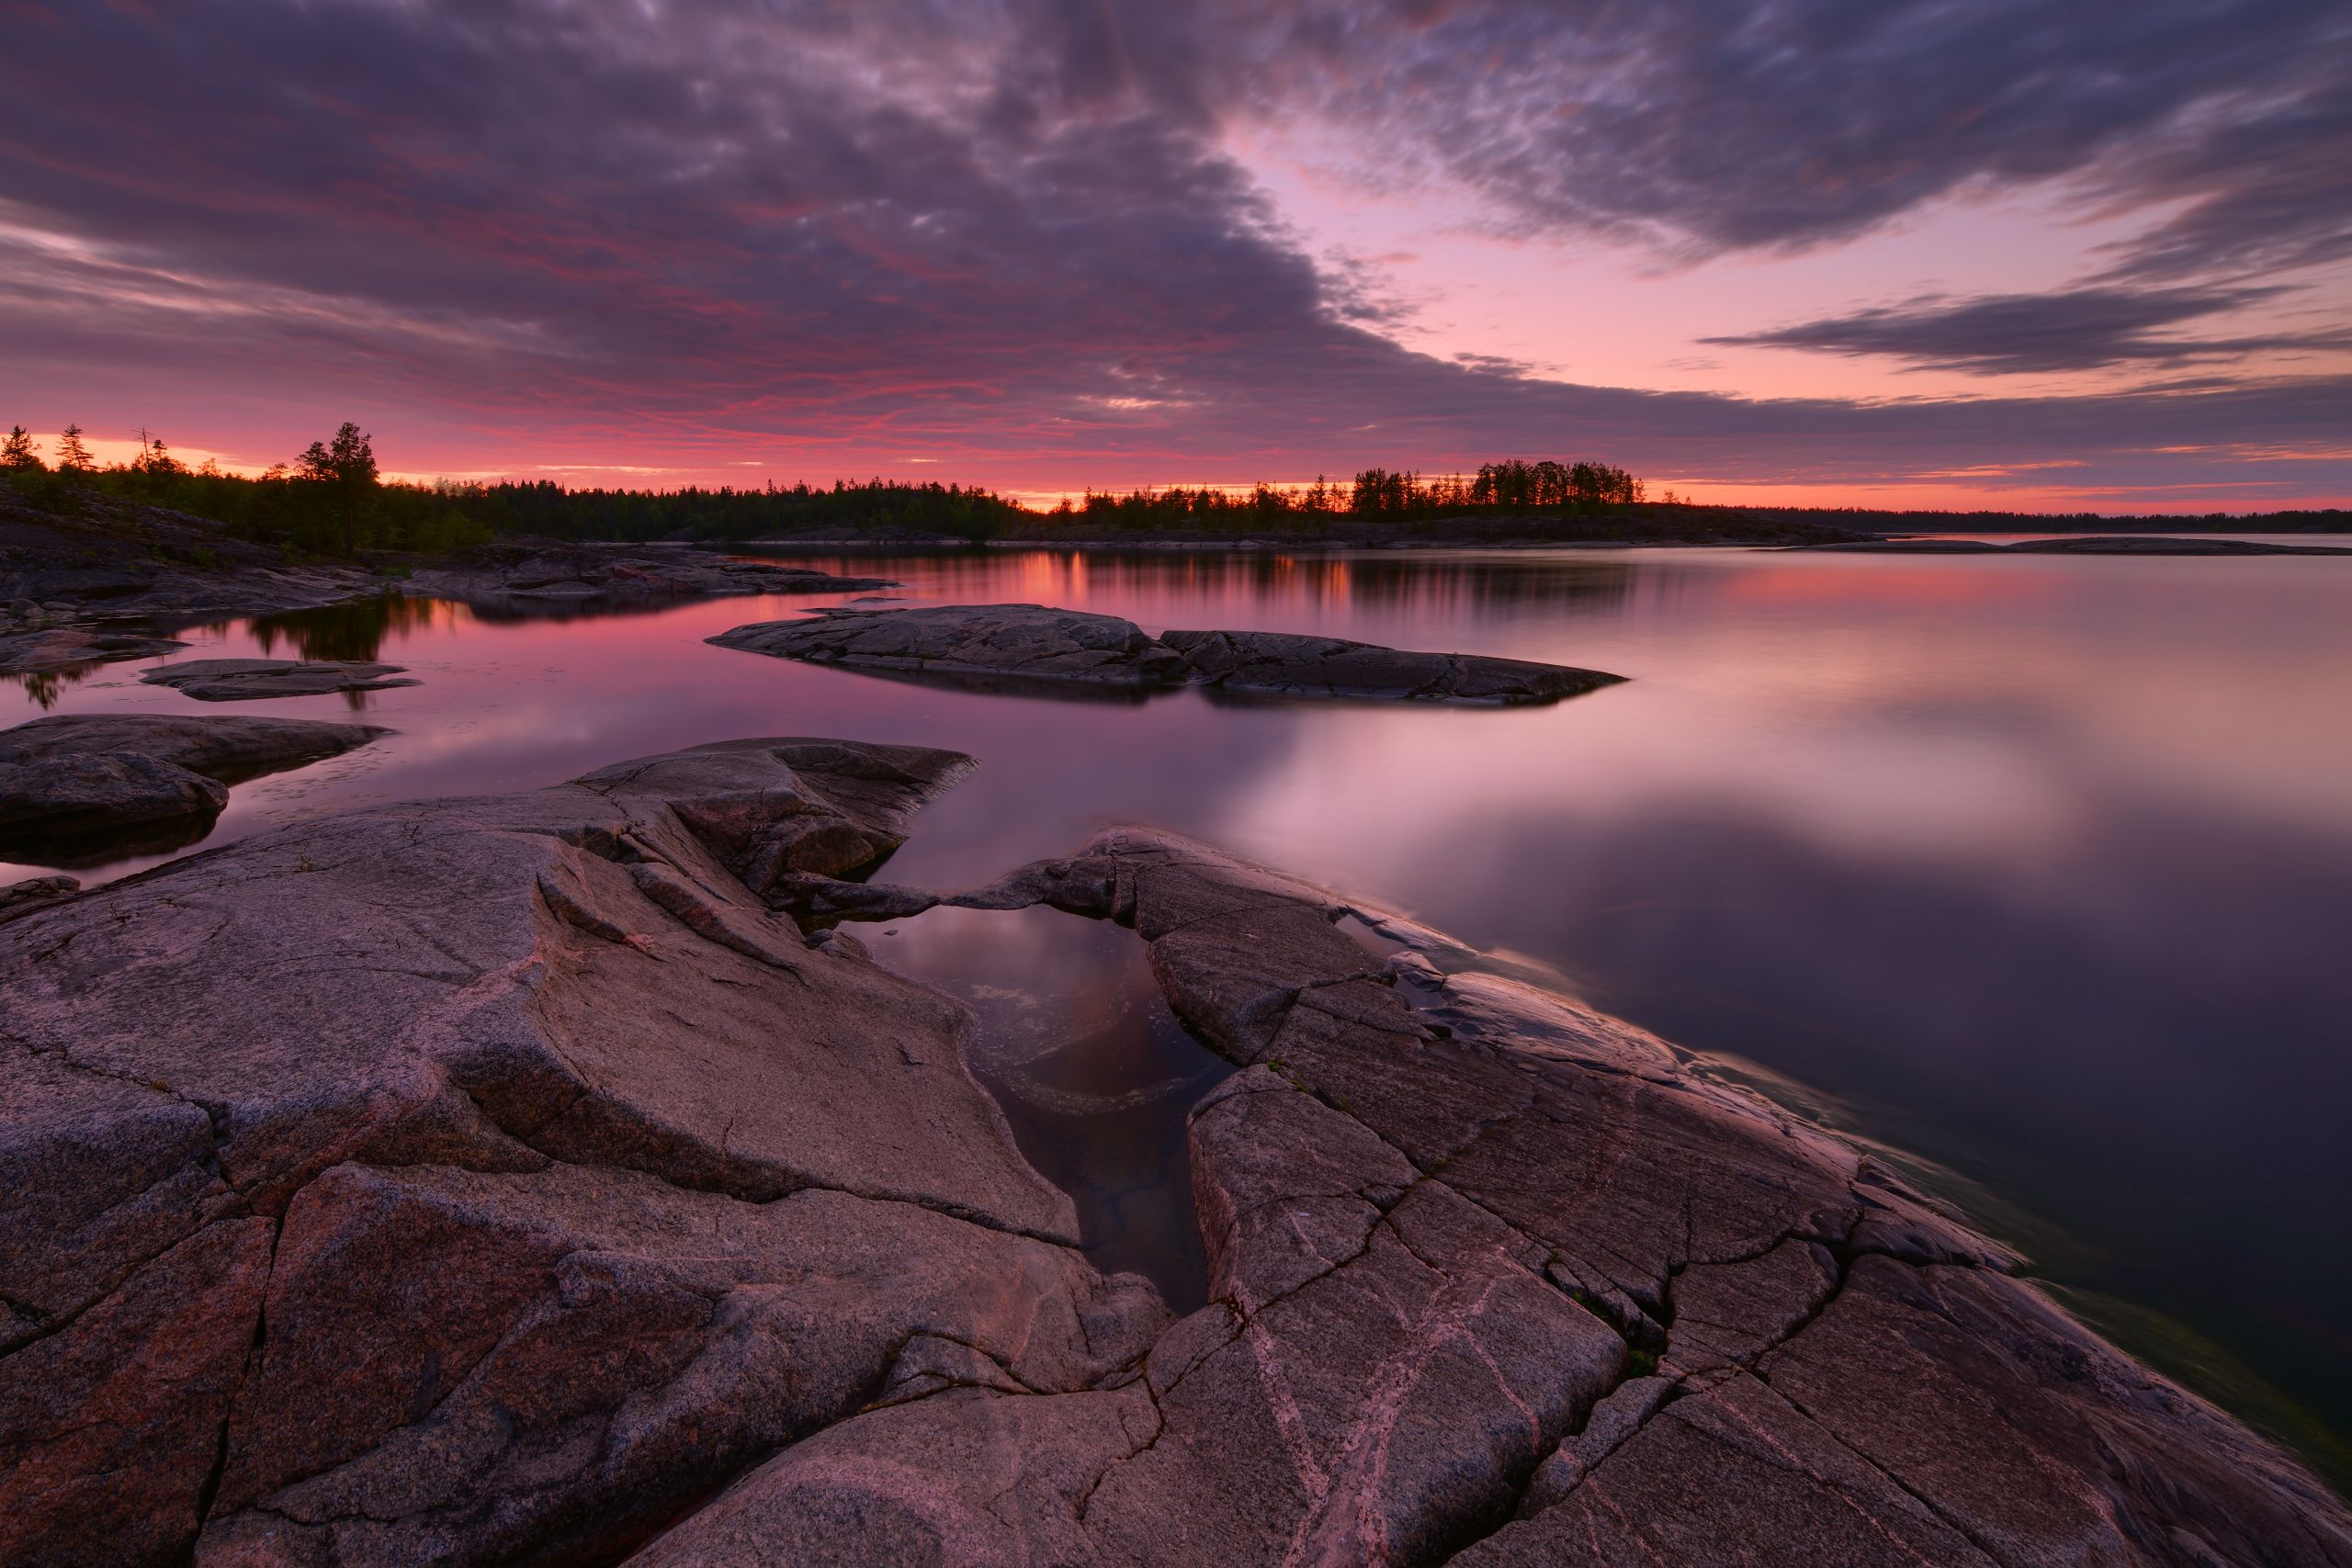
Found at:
[1023, 641]
[245, 679]
[1285, 664]
[579, 1180]
[1030, 647]
[78, 788]
[545, 576]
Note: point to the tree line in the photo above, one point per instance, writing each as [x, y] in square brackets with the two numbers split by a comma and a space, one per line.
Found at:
[1502, 488]
[331, 499]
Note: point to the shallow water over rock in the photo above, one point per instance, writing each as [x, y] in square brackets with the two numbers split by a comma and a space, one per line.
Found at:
[1092, 1070]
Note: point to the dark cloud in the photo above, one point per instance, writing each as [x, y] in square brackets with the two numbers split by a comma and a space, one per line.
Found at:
[714, 229]
[1720, 125]
[2076, 329]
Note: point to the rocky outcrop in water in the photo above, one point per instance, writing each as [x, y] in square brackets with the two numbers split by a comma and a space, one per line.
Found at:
[565, 1201]
[1028, 642]
[543, 576]
[248, 680]
[72, 648]
[1017, 646]
[1282, 664]
[79, 788]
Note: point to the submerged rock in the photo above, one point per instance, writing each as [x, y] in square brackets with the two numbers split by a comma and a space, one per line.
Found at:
[1288, 665]
[78, 788]
[563, 1202]
[246, 680]
[1008, 647]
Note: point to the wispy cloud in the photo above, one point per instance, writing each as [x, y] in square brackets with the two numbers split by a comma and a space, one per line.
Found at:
[2076, 329]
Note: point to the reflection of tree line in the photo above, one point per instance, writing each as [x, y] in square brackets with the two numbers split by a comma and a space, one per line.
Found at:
[1401, 582]
[354, 632]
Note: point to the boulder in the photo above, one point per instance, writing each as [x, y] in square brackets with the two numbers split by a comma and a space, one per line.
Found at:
[1028, 642]
[243, 680]
[1284, 664]
[78, 788]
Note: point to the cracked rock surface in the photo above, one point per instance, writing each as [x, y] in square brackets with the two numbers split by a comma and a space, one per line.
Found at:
[507, 1179]
[972, 645]
[77, 787]
[245, 679]
[1497, 1280]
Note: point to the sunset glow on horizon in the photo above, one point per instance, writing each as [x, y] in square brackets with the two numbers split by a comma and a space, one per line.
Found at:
[1947, 260]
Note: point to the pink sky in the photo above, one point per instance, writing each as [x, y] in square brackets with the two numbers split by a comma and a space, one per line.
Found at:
[1931, 259]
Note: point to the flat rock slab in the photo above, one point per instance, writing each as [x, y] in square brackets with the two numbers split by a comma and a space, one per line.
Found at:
[550, 578]
[72, 648]
[1285, 664]
[1008, 647]
[1025, 641]
[244, 679]
[79, 788]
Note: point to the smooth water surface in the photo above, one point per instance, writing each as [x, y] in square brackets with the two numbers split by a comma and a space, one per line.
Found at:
[2038, 868]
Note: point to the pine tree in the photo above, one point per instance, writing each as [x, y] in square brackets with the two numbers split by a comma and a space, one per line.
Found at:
[349, 464]
[72, 457]
[19, 451]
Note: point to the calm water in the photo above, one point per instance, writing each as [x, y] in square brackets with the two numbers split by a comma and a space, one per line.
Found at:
[2040, 869]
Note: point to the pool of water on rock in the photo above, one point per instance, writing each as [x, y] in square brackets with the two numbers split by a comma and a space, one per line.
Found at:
[2037, 868]
[1093, 1070]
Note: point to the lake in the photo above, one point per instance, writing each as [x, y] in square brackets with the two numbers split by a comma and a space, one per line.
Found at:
[2038, 870]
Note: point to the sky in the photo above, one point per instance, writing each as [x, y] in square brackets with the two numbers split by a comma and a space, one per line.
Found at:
[1881, 253]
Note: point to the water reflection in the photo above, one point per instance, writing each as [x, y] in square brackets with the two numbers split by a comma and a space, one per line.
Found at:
[2037, 865]
[1093, 1071]
[352, 633]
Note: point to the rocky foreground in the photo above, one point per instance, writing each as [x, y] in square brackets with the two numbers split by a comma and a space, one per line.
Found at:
[514, 1179]
[1016, 647]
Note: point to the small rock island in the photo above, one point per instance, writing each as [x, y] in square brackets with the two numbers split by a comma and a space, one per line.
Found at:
[1003, 647]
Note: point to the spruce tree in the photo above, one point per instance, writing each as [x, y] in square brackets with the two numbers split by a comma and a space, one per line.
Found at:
[72, 457]
[19, 451]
